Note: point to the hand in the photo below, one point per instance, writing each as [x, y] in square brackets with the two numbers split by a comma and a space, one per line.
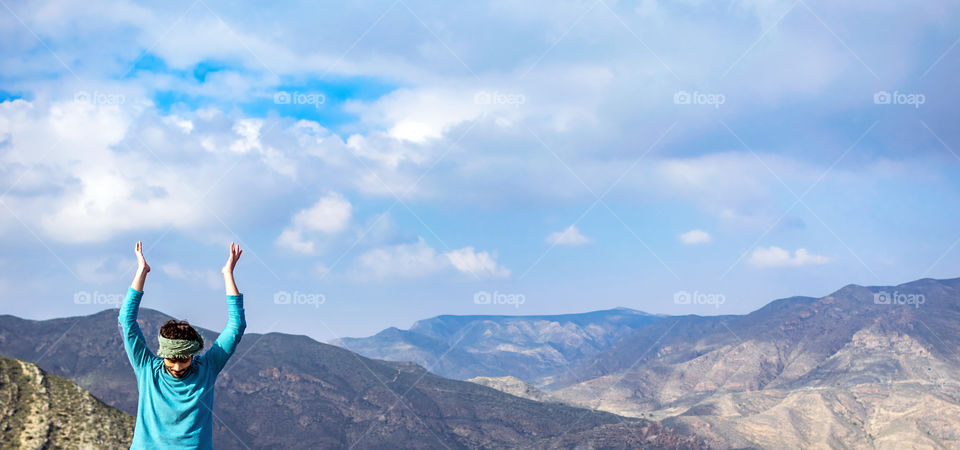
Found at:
[141, 263]
[235, 253]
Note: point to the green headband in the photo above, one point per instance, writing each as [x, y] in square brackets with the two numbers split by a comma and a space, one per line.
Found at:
[179, 348]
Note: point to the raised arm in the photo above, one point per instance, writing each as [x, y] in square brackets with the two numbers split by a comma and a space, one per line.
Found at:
[227, 270]
[133, 340]
[142, 268]
[229, 338]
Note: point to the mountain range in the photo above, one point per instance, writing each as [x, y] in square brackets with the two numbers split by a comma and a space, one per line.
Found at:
[282, 391]
[533, 348]
[863, 367]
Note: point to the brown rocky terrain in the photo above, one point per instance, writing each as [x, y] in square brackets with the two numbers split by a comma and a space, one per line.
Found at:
[839, 371]
[515, 386]
[39, 410]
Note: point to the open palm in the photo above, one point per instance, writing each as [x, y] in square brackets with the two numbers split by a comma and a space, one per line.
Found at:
[141, 262]
[232, 259]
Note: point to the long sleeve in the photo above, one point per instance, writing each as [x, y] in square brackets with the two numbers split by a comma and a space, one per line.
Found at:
[133, 340]
[229, 338]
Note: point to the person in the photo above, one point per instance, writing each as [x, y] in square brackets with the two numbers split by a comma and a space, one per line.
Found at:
[175, 406]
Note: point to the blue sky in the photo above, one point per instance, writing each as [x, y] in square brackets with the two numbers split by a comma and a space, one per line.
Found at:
[386, 161]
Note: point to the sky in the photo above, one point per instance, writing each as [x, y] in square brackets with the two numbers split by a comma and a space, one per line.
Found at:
[381, 162]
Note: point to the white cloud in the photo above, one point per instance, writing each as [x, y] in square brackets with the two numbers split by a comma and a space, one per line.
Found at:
[76, 187]
[777, 257]
[93, 172]
[426, 112]
[384, 150]
[209, 277]
[81, 172]
[248, 131]
[183, 124]
[419, 259]
[481, 264]
[402, 260]
[418, 115]
[294, 239]
[331, 214]
[570, 236]
[694, 237]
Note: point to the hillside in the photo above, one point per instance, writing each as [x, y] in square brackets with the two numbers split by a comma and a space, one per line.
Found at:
[282, 391]
[39, 410]
[533, 348]
[842, 370]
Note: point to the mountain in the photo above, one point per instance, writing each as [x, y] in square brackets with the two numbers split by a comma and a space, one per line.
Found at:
[517, 387]
[40, 410]
[533, 348]
[864, 367]
[281, 391]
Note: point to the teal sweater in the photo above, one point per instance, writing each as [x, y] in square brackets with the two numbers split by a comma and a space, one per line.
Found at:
[176, 412]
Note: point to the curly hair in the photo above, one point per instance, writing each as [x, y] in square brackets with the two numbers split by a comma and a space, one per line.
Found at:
[174, 329]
